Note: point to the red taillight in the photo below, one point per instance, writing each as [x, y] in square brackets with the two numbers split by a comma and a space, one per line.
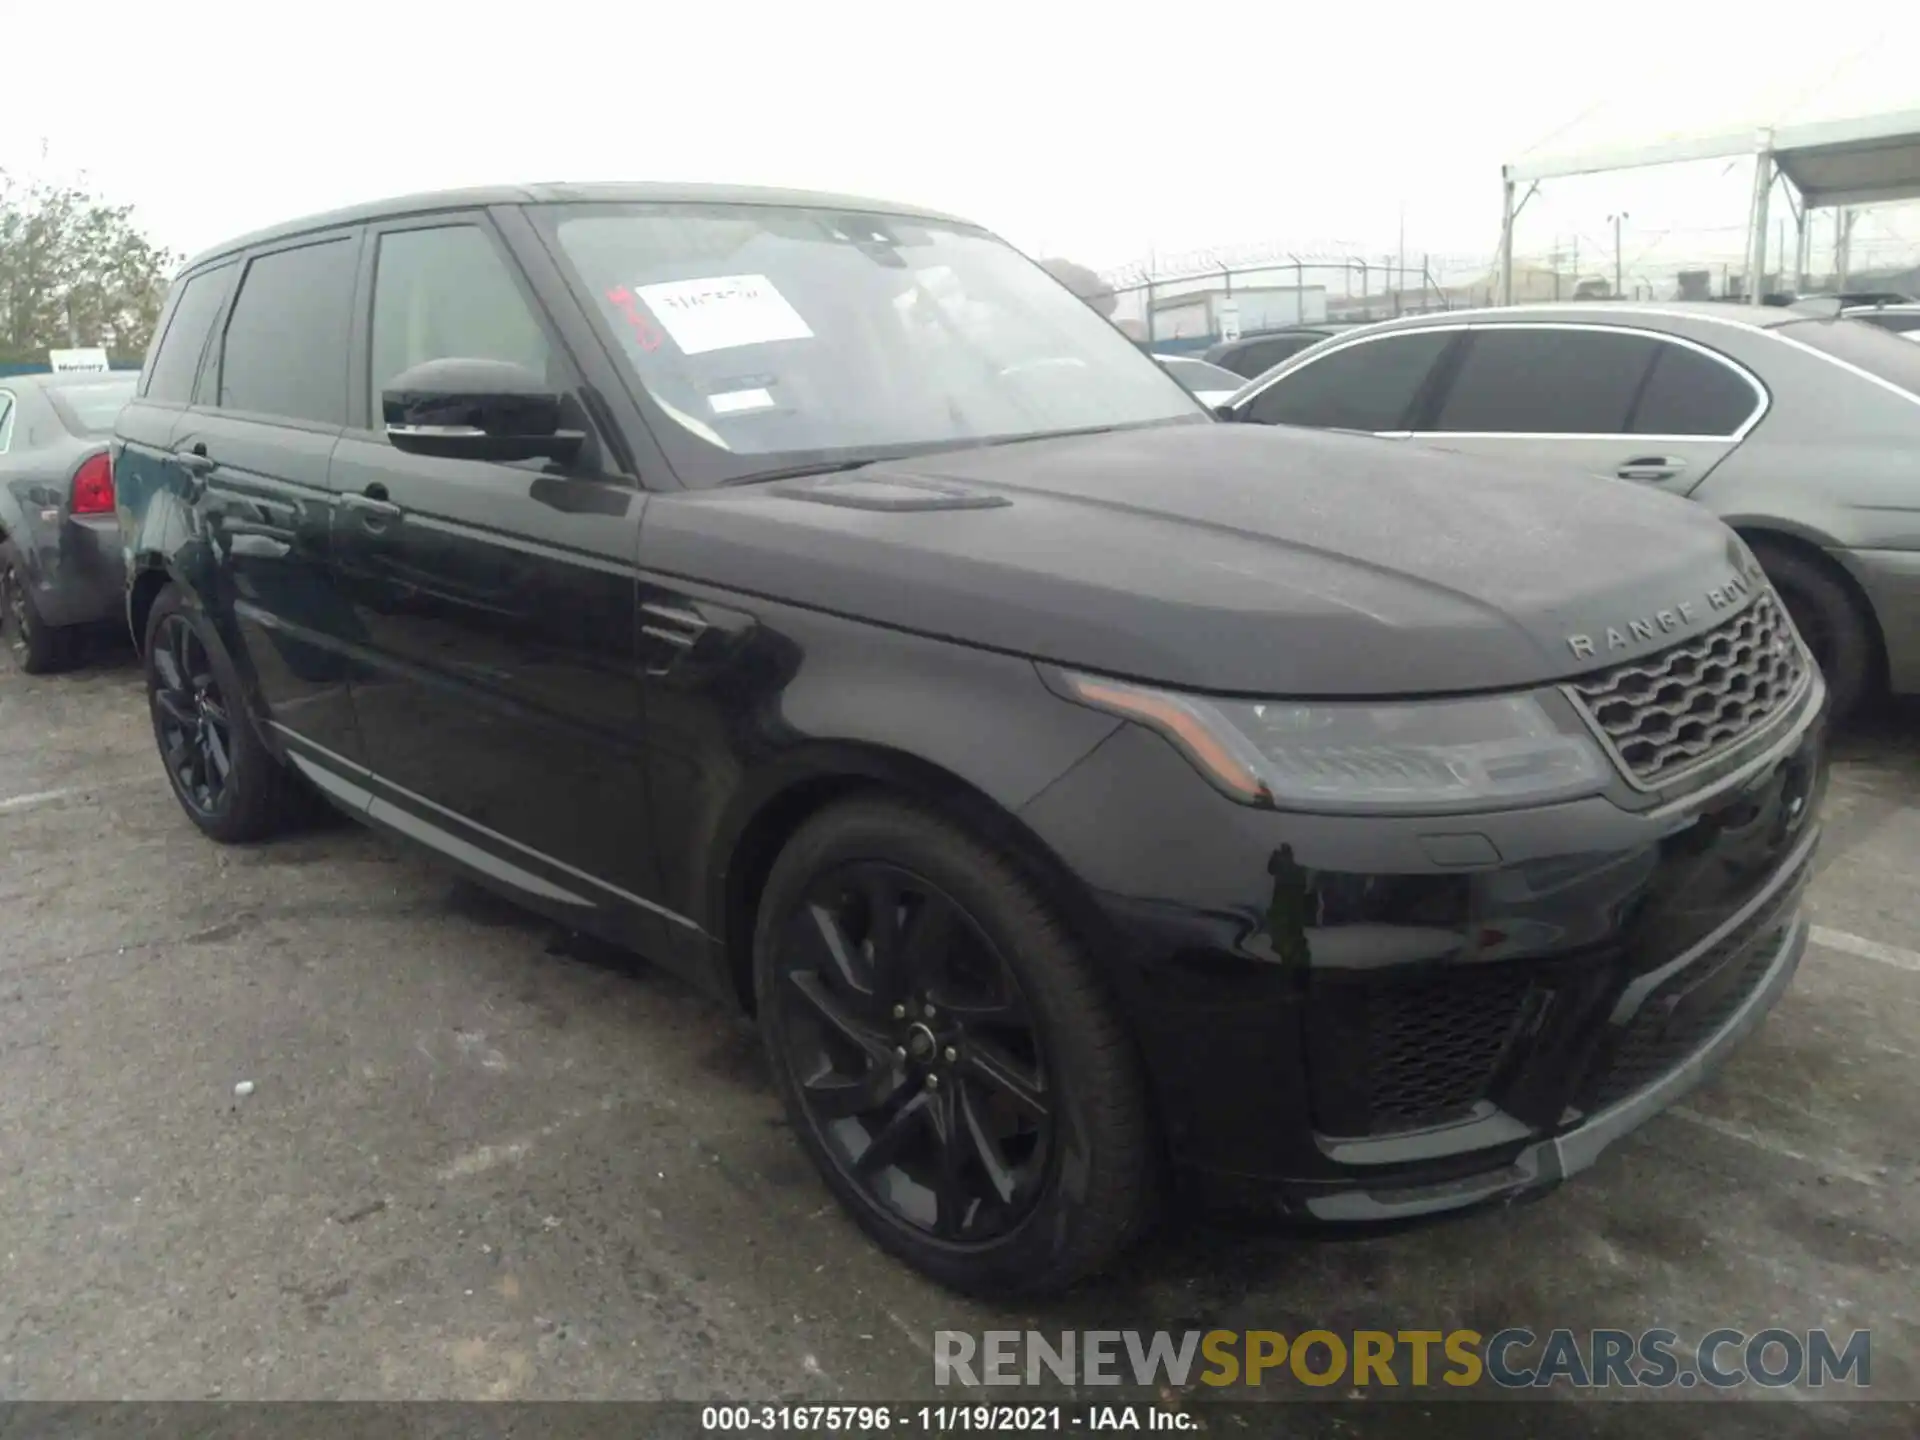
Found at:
[93, 487]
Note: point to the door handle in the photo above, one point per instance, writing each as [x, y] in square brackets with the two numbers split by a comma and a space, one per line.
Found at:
[194, 463]
[1651, 467]
[372, 503]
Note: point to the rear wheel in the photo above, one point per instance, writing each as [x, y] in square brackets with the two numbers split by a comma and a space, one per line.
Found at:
[224, 777]
[947, 1055]
[1829, 618]
[36, 646]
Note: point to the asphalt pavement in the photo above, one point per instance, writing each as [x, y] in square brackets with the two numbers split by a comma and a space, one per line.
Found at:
[481, 1159]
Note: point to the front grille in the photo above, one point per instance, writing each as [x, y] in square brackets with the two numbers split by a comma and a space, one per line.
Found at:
[1675, 1021]
[1673, 710]
[1433, 1046]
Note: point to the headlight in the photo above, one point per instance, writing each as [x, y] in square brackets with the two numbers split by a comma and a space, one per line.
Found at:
[1501, 750]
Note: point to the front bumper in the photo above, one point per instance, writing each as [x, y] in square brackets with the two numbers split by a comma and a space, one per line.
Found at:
[1352, 1019]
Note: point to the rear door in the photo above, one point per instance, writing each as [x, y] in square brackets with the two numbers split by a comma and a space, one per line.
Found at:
[251, 454]
[1626, 404]
[499, 699]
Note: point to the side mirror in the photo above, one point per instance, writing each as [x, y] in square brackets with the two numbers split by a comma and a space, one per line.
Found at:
[476, 410]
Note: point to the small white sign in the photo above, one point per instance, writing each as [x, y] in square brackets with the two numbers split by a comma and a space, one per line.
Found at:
[1229, 315]
[739, 402]
[723, 312]
[79, 362]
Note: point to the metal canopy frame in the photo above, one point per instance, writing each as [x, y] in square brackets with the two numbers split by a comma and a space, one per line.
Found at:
[1827, 164]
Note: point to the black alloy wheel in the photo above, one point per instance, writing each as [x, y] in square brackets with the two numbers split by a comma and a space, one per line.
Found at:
[191, 718]
[950, 1056]
[917, 1059]
[36, 647]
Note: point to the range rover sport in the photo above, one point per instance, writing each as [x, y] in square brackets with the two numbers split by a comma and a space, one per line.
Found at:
[813, 595]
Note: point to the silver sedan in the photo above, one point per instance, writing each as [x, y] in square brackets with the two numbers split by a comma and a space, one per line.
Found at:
[1801, 431]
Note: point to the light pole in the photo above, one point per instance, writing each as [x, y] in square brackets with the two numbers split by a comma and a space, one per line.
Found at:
[1616, 219]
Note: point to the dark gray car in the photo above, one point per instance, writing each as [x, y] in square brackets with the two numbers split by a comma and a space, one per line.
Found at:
[60, 563]
[1801, 432]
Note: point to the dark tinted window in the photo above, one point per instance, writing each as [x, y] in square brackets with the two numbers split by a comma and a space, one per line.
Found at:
[1366, 386]
[170, 372]
[1692, 394]
[1260, 355]
[445, 293]
[6, 421]
[1880, 353]
[1544, 381]
[1903, 323]
[286, 345]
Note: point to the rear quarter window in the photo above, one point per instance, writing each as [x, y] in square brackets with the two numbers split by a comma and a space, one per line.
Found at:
[176, 358]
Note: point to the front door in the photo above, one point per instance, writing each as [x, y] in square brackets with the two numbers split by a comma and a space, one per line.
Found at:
[498, 695]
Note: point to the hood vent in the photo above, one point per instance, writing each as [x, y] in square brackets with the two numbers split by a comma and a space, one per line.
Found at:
[889, 493]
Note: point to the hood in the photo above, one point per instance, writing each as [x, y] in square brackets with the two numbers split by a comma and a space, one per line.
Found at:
[1236, 559]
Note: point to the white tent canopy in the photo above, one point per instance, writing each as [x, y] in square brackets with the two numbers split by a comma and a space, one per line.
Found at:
[1828, 161]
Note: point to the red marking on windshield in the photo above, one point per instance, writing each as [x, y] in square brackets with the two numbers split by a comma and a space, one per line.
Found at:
[645, 332]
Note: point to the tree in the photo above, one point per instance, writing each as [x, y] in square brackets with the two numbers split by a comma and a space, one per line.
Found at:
[1084, 283]
[74, 270]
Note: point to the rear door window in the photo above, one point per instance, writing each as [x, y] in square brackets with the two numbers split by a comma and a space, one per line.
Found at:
[285, 353]
[1543, 380]
[1688, 393]
[170, 373]
[1371, 385]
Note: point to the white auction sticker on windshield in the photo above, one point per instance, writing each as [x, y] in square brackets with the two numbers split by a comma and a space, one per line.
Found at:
[723, 312]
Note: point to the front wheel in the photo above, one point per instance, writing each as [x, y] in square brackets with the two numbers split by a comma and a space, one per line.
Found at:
[947, 1055]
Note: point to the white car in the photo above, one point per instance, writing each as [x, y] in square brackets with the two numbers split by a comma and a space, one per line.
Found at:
[1205, 381]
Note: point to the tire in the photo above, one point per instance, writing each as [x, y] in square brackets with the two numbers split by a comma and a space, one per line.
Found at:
[193, 690]
[37, 647]
[985, 1022]
[1829, 619]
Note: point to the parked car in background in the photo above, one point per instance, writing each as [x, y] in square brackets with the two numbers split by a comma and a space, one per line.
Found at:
[60, 564]
[1207, 383]
[1900, 319]
[1250, 355]
[1800, 432]
[814, 596]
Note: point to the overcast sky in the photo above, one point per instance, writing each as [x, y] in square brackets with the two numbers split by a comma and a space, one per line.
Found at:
[1099, 131]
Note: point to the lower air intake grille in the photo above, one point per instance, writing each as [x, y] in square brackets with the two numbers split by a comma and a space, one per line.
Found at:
[1433, 1046]
[1666, 713]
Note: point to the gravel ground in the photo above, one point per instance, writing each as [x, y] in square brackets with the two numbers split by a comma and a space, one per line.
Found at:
[482, 1160]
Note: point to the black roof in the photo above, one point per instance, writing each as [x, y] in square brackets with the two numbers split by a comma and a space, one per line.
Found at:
[554, 192]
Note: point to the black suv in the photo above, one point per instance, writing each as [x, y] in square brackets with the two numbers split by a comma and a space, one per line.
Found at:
[816, 597]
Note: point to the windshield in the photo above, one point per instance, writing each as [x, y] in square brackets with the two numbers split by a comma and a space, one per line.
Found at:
[1879, 352]
[91, 409]
[774, 338]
